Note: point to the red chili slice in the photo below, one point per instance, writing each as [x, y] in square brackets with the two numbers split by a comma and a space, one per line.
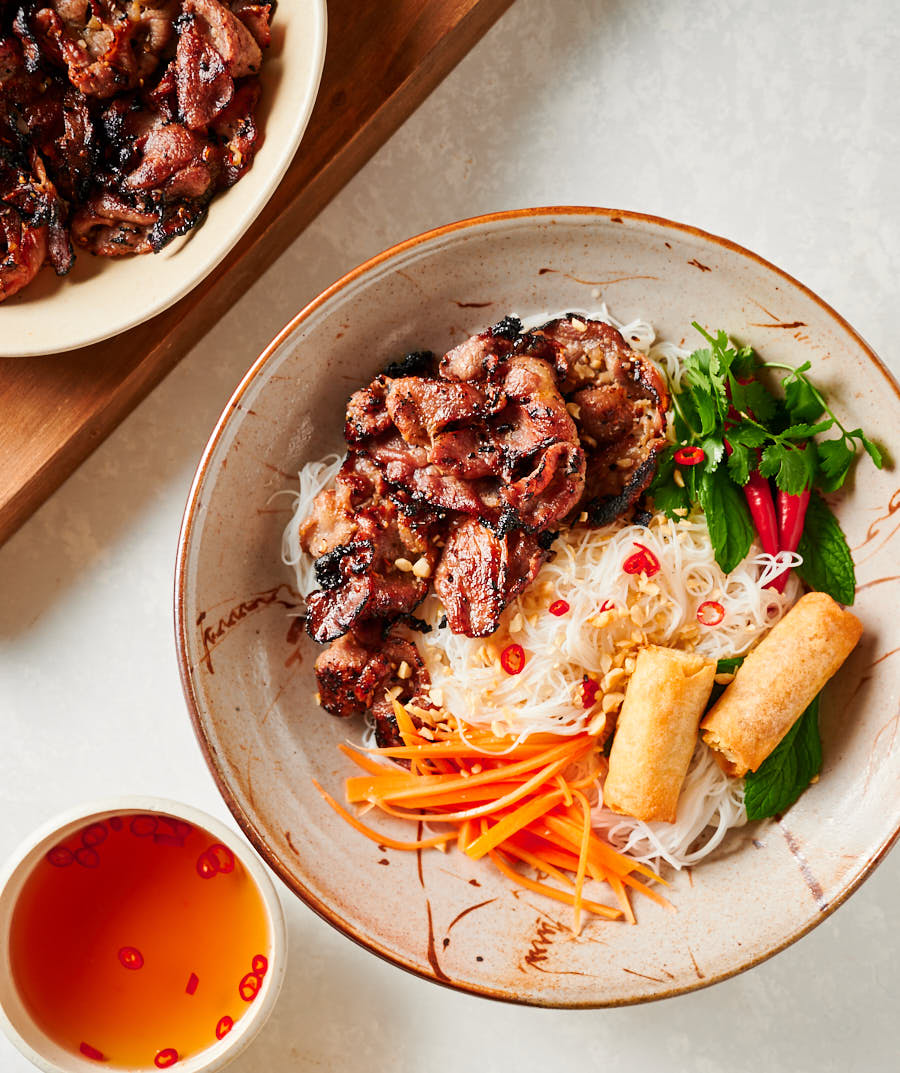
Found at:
[512, 659]
[589, 692]
[710, 613]
[193, 981]
[260, 964]
[166, 1058]
[91, 1052]
[690, 456]
[224, 1026]
[558, 607]
[607, 605]
[131, 957]
[249, 986]
[60, 857]
[642, 562]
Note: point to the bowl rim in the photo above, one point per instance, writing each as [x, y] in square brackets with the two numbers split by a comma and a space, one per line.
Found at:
[318, 14]
[18, 865]
[189, 520]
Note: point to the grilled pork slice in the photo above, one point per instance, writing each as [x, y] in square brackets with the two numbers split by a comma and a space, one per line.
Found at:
[355, 673]
[480, 573]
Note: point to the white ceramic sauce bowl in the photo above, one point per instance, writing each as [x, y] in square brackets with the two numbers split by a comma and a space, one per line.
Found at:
[16, 1020]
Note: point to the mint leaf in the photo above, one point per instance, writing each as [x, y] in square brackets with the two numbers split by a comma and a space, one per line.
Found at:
[827, 564]
[783, 776]
[835, 458]
[727, 517]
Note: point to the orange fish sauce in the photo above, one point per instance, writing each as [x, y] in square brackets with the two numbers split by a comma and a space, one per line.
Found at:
[139, 941]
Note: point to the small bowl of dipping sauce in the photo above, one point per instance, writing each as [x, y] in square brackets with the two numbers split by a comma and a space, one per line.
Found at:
[137, 934]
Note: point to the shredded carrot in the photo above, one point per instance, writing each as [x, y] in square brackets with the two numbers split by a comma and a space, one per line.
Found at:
[582, 859]
[511, 823]
[376, 836]
[502, 799]
[551, 892]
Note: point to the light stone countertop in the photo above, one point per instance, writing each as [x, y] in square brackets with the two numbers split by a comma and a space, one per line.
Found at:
[773, 124]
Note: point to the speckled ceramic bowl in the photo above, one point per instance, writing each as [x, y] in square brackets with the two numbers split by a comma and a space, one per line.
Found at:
[248, 668]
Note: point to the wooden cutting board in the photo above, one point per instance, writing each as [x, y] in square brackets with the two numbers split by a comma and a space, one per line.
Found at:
[384, 57]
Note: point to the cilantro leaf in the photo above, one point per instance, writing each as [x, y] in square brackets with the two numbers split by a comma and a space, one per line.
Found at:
[871, 449]
[668, 496]
[713, 447]
[804, 430]
[788, 770]
[801, 399]
[747, 434]
[827, 564]
[739, 462]
[752, 398]
[727, 517]
[835, 458]
[792, 467]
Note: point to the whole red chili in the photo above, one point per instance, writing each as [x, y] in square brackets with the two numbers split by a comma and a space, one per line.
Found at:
[558, 607]
[642, 562]
[588, 692]
[710, 613]
[690, 456]
[512, 659]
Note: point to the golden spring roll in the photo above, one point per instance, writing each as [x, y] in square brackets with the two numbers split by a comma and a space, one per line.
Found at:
[657, 732]
[778, 680]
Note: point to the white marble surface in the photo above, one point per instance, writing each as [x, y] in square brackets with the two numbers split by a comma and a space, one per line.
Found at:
[774, 124]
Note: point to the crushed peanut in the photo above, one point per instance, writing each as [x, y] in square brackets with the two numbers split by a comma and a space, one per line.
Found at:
[403, 564]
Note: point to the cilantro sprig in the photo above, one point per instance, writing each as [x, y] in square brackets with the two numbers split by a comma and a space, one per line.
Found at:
[724, 406]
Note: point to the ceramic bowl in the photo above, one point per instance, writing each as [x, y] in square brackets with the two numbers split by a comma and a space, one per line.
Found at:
[102, 297]
[247, 667]
[15, 1018]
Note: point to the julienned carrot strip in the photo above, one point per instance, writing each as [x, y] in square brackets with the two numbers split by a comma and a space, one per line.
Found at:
[376, 836]
[545, 851]
[405, 725]
[442, 806]
[501, 802]
[361, 760]
[582, 859]
[446, 782]
[511, 823]
[630, 881]
[464, 837]
[619, 890]
[512, 849]
[551, 892]
[606, 856]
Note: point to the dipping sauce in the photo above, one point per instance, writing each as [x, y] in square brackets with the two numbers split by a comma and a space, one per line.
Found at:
[139, 941]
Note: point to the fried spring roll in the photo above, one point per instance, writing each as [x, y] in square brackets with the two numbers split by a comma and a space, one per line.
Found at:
[778, 680]
[657, 732]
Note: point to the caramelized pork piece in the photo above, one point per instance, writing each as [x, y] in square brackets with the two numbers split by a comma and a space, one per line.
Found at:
[491, 453]
[480, 573]
[23, 249]
[372, 559]
[119, 121]
[619, 401]
[111, 226]
[355, 673]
